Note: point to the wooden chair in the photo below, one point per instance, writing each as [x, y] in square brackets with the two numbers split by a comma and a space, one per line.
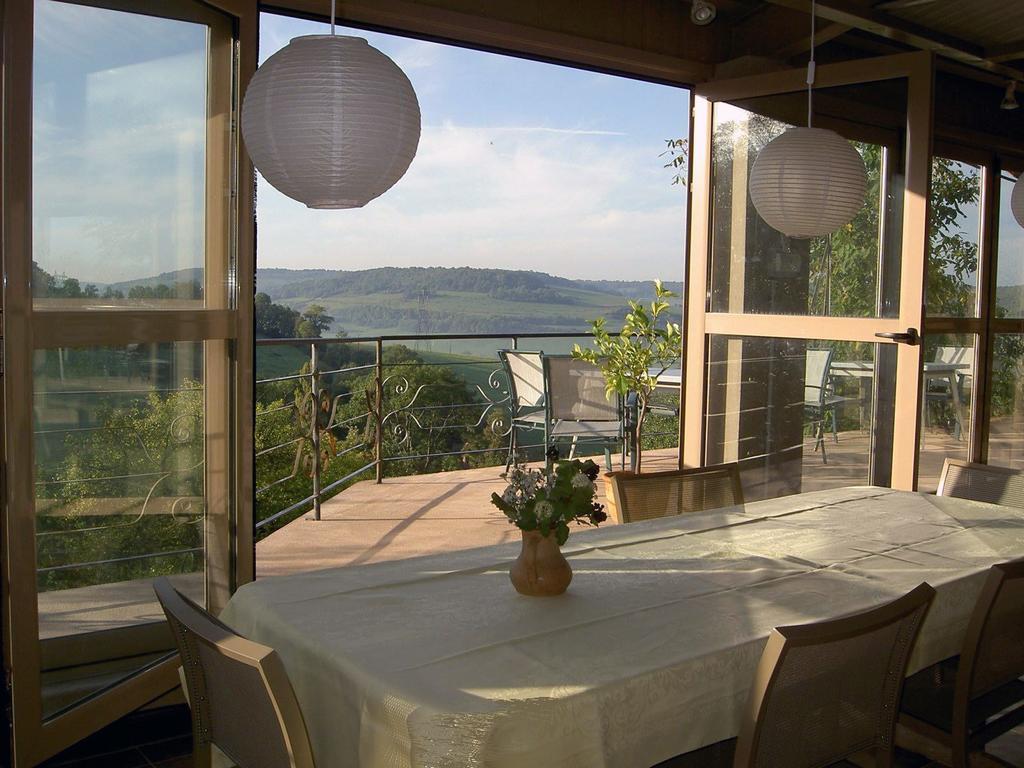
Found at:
[829, 692]
[633, 497]
[242, 702]
[982, 482]
[952, 711]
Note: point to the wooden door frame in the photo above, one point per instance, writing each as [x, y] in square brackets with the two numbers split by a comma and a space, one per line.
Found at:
[917, 69]
[228, 323]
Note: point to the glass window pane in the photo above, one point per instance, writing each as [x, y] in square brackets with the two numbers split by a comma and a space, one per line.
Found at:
[948, 384]
[120, 499]
[1006, 427]
[1009, 297]
[756, 269]
[798, 415]
[119, 158]
[952, 274]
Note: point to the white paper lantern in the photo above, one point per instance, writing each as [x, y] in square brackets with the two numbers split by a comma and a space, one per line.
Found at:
[331, 121]
[1017, 200]
[808, 182]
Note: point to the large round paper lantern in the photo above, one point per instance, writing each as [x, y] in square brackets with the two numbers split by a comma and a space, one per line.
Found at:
[1017, 200]
[331, 121]
[808, 182]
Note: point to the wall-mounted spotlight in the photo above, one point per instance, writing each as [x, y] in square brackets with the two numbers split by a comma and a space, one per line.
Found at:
[703, 12]
[1010, 99]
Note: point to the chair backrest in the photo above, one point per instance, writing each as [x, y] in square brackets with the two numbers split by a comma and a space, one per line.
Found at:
[982, 482]
[239, 691]
[633, 497]
[525, 373]
[992, 656]
[827, 691]
[575, 390]
[957, 355]
[816, 374]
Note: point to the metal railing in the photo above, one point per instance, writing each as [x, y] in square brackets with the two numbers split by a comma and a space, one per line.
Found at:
[329, 423]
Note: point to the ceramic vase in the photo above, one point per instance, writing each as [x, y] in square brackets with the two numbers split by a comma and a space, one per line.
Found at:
[541, 569]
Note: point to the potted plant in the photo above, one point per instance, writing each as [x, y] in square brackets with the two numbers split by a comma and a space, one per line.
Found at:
[647, 346]
[542, 505]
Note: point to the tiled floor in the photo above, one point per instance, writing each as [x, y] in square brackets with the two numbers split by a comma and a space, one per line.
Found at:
[160, 738]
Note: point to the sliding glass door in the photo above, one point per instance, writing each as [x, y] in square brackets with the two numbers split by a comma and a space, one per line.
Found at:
[127, 348]
[802, 357]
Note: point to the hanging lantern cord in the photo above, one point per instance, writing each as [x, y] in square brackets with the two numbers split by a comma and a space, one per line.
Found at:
[810, 65]
[332, 19]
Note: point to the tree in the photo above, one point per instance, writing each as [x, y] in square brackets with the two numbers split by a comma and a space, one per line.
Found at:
[633, 360]
[317, 317]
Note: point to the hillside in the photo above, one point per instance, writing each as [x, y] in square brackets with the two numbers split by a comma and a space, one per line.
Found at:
[452, 300]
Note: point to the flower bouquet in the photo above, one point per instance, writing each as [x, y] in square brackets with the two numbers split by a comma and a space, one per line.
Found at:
[542, 505]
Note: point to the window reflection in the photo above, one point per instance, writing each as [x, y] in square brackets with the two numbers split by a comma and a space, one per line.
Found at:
[119, 157]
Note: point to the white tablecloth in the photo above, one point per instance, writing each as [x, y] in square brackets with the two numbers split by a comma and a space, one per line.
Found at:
[436, 661]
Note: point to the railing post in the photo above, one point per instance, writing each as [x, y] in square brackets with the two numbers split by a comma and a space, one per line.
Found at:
[314, 385]
[378, 404]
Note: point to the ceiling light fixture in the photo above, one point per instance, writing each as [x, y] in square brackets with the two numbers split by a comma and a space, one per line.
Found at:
[1010, 98]
[703, 12]
[808, 182]
[331, 121]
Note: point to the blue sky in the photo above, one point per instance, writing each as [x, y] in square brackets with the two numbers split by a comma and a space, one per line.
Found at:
[521, 165]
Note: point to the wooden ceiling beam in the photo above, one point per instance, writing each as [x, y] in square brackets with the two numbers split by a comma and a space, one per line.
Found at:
[885, 25]
[1008, 52]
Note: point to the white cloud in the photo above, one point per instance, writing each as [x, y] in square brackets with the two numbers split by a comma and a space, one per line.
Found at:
[552, 200]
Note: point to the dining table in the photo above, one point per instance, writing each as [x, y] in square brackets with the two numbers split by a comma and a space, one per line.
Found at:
[436, 661]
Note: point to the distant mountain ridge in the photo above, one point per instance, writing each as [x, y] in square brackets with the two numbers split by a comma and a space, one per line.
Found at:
[453, 299]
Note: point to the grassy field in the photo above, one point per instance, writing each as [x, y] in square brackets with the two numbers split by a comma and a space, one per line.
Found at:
[461, 312]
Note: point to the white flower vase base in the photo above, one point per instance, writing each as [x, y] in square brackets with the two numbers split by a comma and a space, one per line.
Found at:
[541, 569]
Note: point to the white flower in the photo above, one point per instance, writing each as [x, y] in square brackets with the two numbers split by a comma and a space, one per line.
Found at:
[581, 481]
[544, 510]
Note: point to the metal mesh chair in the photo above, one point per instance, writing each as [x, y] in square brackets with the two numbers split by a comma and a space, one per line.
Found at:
[952, 711]
[577, 408]
[525, 373]
[241, 699]
[982, 482]
[830, 691]
[819, 399]
[633, 497]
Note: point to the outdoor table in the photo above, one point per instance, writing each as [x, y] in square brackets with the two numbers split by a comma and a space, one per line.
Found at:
[864, 370]
[436, 661]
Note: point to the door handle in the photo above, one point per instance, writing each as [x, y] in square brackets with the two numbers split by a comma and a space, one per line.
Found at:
[910, 337]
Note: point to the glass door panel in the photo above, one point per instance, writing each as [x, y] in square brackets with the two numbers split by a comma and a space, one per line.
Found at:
[954, 240]
[947, 403]
[119, 159]
[755, 268]
[797, 413]
[120, 500]
[1006, 424]
[1009, 298]
[123, 377]
[806, 404]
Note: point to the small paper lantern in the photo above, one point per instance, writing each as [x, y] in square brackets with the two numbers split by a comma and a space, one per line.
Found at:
[1017, 200]
[331, 121]
[808, 182]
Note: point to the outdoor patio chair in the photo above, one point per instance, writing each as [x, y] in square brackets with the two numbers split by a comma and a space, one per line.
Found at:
[820, 400]
[649, 495]
[938, 389]
[951, 711]
[577, 409]
[525, 373]
[242, 702]
[981, 482]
